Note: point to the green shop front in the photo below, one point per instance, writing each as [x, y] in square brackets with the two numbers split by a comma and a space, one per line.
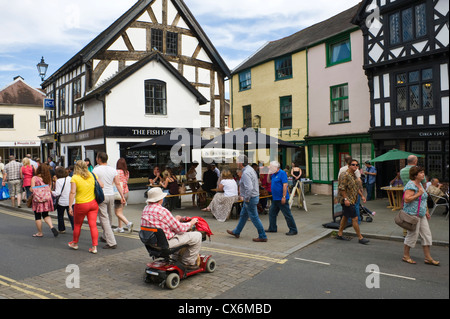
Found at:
[327, 155]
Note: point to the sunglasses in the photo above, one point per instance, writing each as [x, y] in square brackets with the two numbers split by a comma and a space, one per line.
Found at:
[354, 164]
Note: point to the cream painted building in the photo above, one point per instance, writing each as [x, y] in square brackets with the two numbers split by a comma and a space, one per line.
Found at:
[269, 92]
[22, 120]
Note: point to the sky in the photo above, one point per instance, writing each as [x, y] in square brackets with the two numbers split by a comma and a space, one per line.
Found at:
[58, 29]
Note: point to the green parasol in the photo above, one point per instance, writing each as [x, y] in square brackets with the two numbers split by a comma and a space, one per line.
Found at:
[393, 155]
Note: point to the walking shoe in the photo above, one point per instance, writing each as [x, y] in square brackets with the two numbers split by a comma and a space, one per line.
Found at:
[110, 247]
[118, 230]
[93, 250]
[364, 241]
[291, 233]
[73, 245]
[342, 238]
[260, 240]
[130, 227]
[232, 234]
[55, 232]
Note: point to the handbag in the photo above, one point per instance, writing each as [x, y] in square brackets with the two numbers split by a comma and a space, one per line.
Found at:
[4, 192]
[30, 201]
[406, 221]
[116, 192]
[98, 191]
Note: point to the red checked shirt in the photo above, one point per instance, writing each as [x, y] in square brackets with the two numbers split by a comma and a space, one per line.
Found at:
[154, 215]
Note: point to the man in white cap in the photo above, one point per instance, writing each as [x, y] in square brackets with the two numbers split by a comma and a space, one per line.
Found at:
[155, 215]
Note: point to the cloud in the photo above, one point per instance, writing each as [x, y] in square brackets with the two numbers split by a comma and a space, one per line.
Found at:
[30, 23]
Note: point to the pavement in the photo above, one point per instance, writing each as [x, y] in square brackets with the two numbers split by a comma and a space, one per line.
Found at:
[309, 223]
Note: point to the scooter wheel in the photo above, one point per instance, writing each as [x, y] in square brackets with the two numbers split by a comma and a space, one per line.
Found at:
[210, 265]
[172, 280]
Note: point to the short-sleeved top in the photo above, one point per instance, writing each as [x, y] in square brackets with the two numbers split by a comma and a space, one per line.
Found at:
[106, 175]
[278, 179]
[85, 188]
[412, 207]
[123, 178]
[230, 187]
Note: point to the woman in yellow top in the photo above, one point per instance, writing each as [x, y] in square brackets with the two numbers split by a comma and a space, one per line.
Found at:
[82, 192]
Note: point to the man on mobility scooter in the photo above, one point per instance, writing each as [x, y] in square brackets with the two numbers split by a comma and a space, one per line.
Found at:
[157, 220]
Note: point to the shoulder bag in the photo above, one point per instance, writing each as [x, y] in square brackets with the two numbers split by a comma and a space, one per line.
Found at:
[406, 221]
[56, 198]
[98, 191]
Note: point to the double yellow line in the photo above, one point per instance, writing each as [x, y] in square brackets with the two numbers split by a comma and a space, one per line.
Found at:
[28, 289]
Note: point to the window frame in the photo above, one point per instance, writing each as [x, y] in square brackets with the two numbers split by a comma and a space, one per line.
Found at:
[8, 118]
[329, 52]
[247, 109]
[284, 102]
[406, 83]
[152, 84]
[400, 27]
[157, 41]
[332, 111]
[247, 80]
[279, 67]
[171, 46]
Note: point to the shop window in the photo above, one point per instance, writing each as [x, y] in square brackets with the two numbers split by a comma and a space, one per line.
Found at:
[322, 163]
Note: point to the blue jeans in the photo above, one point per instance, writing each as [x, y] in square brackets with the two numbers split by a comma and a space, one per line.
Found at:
[369, 188]
[273, 213]
[249, 210]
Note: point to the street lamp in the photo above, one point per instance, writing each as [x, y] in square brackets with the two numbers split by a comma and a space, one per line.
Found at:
[42, 68]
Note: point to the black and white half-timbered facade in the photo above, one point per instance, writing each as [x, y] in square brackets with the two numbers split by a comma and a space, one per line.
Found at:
[406, 47]
[153, 70]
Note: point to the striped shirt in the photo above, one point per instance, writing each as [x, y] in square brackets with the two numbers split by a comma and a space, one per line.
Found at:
[154, 215]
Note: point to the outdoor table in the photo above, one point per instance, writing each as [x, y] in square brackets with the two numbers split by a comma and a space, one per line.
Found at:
[395, 195]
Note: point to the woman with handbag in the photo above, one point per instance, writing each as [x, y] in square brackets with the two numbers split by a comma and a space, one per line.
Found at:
[415, 204]
[42, 202]
[82, 187]
[61, 195]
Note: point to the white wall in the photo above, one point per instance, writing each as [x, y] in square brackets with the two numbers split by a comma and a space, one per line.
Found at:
[126, 102]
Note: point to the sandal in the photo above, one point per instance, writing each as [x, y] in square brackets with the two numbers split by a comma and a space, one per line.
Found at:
[432, 262]
[409, 260]
[36, 235]
[73, 245]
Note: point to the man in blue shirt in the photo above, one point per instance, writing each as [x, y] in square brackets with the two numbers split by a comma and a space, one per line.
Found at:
[280, 200]
[371, 176]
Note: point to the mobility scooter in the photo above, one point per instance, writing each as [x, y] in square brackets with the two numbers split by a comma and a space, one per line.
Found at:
[165, 270]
